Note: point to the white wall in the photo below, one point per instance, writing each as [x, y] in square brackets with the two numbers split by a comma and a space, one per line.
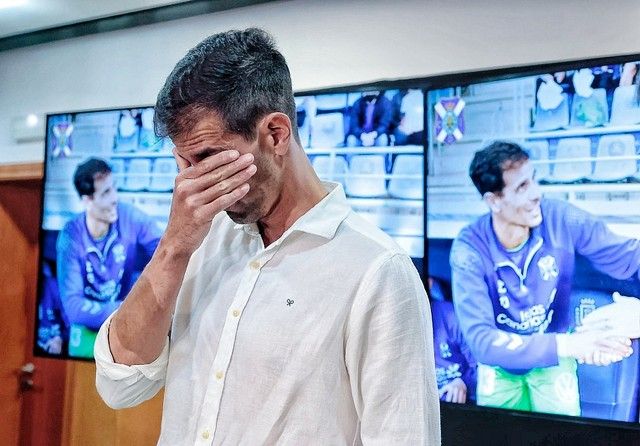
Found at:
[326, 42]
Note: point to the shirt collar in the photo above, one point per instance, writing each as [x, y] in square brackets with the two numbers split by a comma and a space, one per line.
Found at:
[322, 219]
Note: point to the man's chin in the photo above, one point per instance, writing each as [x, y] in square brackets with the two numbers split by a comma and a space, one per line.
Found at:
[241, 218]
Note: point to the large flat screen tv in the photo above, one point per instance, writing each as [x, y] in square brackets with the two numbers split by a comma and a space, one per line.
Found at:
[108, 165]
[498, 309]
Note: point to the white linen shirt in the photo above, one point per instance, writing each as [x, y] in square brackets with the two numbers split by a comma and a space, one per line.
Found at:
[322, 338]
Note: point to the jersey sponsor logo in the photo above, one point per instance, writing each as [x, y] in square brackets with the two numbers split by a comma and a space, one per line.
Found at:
[532, 318]
[548, 267]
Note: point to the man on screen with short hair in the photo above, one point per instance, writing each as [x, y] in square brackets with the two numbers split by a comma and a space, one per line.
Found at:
[99, 252]
[512, 271]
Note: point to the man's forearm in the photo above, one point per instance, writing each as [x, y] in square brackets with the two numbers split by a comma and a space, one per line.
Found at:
[139, 328]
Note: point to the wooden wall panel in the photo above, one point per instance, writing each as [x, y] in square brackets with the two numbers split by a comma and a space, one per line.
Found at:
[89, 421]
[15, 255]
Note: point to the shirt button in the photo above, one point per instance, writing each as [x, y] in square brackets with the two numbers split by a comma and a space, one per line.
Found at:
[219, 375]
[255, 264]
[235, 313]
[206, 434]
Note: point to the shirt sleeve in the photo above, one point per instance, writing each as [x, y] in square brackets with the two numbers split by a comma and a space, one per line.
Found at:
[473, 306]
[610, 253]
[390, 358]
[120, 385]
[70, 261]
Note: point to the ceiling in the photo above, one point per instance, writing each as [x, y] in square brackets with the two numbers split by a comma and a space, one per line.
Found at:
[24, 16]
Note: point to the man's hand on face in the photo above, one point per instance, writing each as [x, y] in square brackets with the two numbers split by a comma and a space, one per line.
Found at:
[203, 190]
[622, 317]
[595, 347]
[454, 392]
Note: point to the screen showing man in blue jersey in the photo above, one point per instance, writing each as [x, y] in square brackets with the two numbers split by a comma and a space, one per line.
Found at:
[512, 272]
[98, 254]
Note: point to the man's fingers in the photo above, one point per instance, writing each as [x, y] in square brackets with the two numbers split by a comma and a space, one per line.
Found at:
[615, 346]
[227, 185]
[211, 178]
[449, 396]
[223, 202]
[182, 163]
[214, 162]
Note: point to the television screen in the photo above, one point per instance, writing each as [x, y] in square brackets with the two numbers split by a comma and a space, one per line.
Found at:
[533, 265]
[372, 142]
[107, 194]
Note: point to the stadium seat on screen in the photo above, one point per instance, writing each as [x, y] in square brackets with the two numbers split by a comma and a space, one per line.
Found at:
[539, 151]
[612, 146]
[138, 174]
[553, 119]
[328, 130]
[625, 109]
[331, 101]
[333, 169]
[591, 111]
[609, 392]
[118, 171]
[374, 185]
[163, 174]
[565, 170]
[409, 188]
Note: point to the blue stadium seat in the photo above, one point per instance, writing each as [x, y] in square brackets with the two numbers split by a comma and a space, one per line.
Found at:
[553, 119]
[611, 146]
[328, 130]
[367, 176]
[407, 177]
[609, 392]
[331, 168]
[625, 109]
[539, 154]
[565, 170]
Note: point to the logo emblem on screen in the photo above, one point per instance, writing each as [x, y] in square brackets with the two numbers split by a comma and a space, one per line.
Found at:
[548, 267]
[449, 120]
[62, 139]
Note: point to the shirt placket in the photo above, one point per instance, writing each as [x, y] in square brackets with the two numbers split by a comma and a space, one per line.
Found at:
[211, 405]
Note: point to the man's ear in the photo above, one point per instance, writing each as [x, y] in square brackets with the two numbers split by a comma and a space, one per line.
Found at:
[86, 200]
[493, 201]
[275, 130]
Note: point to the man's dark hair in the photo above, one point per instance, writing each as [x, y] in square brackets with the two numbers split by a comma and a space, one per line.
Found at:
[87, 172]
[238, 74]
[488, 165]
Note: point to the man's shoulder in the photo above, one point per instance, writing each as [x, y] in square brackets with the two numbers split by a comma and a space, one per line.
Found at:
[480, 229]
[357, 232]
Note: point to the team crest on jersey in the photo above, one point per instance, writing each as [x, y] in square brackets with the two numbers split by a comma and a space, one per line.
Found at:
[118, 252]
[548, 267]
